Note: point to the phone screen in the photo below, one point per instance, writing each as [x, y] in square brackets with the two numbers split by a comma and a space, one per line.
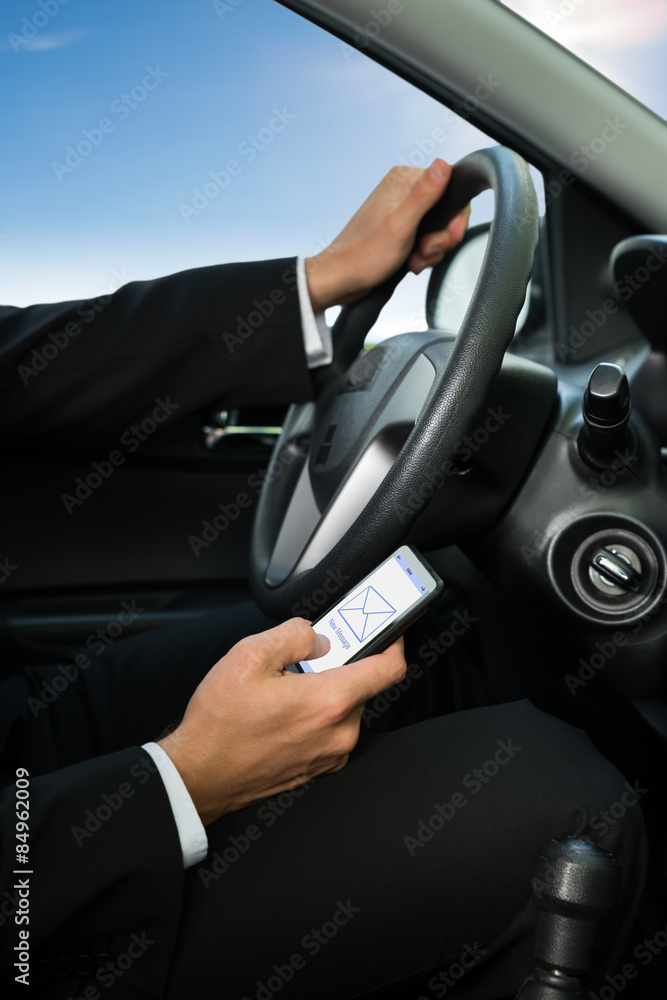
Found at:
[386, 595]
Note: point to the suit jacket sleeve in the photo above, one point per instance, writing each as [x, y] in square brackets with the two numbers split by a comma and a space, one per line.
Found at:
[228, 333]
[107, 872]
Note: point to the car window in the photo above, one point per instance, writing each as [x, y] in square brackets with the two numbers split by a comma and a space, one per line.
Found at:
[624, 41]
[147, 138]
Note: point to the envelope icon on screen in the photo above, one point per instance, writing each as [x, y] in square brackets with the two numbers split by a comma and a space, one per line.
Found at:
[366, 612]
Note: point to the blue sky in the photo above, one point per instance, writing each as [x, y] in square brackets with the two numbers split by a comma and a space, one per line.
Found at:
[77, 228]
[325, 121]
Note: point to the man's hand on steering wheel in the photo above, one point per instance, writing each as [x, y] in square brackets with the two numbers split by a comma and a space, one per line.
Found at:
[344, 472]
[381, 234]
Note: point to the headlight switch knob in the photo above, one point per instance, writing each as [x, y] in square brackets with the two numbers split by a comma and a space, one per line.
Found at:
[606, 410]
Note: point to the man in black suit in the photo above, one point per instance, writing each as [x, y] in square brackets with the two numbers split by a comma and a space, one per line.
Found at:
[211, 862]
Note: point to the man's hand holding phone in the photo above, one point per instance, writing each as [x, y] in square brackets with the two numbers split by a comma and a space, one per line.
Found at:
[251, 730]
[375, 612]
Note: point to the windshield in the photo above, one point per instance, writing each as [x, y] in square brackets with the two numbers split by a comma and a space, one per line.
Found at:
[624, 41]
[150, 138]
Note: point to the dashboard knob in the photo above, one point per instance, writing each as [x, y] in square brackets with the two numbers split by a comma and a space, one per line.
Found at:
[606, 409]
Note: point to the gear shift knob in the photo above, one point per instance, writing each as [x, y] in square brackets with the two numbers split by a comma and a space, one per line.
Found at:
[575, 886]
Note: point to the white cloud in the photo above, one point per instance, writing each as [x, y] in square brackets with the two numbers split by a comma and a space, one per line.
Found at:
[591, 24]
[610, 35]
[15, 42]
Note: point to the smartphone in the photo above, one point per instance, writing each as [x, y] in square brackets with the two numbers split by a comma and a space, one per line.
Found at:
[375, 612]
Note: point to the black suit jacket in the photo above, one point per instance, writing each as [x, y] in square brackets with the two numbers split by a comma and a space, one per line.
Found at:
[230, 333]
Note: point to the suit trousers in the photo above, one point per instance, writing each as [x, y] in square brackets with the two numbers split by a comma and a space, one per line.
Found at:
[409, 869]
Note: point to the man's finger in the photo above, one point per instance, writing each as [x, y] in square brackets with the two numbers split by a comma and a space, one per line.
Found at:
[433, 247]
[424, 193]
[338, 766]
[445, 239]
[288, 643]
[364, 679]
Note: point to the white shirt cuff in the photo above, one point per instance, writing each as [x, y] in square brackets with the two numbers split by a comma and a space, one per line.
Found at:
[191, 832]
[316, 333]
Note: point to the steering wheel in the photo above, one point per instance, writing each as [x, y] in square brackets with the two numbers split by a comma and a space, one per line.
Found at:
[352, 471]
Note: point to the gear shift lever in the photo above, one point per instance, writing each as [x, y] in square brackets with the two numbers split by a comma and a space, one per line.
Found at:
[575, 885]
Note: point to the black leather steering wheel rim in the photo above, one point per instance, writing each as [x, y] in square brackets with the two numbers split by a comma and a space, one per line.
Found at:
[455, 398]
